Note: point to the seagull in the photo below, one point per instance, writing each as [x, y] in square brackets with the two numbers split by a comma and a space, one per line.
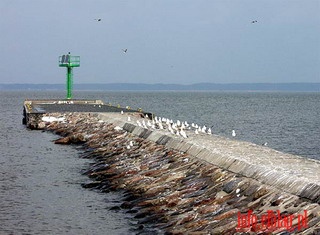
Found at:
[183, 134]
[233, 133]
[98, 19]
[265, 144]
[118, 128]
[254, 21]
[144, 124]
[125, 50]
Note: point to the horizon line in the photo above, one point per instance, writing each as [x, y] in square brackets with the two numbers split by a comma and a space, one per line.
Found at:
[131, 83]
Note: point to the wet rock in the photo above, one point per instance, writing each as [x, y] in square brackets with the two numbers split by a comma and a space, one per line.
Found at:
[141, 226]
[132, 211]
[63, 140]
[127, 205]
[259, 193]
[77, 138]
[91, 184]
[131, 197]
[41, 125]
[231, 185]
[115, 208]
[141, 215]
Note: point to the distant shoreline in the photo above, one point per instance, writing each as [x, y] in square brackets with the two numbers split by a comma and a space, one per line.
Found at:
[302, 87]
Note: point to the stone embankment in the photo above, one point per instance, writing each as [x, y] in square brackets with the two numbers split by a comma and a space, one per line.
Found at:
[196, 185]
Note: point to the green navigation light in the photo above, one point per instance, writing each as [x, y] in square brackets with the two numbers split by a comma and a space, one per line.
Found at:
[69, 62]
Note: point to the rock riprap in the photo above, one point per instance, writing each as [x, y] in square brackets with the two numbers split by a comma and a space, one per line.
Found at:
[171, 190]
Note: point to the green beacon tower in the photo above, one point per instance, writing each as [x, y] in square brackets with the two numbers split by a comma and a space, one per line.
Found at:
[69, 62]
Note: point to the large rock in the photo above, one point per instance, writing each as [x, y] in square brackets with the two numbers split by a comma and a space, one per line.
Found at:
[63, 140]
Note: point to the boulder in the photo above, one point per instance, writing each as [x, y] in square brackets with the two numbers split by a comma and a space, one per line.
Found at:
[63, 140]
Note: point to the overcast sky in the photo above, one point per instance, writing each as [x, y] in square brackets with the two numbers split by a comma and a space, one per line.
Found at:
[167, 41]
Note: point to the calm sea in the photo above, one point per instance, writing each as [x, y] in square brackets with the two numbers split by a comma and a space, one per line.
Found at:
[40, 183]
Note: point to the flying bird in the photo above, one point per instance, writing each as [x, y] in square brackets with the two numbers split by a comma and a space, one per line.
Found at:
[125, 50]
[254, 21]
[98, 19]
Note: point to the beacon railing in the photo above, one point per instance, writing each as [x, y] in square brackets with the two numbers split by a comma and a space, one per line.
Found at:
[69, 61]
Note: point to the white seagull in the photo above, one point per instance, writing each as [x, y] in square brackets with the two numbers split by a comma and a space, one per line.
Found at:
[233, 133]
[183, 134]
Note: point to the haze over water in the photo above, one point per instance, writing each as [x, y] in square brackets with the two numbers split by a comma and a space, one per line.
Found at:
[40, 183]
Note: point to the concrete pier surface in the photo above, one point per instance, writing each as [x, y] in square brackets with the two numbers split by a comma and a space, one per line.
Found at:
[202, 184]
[293, 174]
[33, 109]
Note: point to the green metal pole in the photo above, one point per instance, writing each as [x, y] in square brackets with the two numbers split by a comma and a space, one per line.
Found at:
[69, 82]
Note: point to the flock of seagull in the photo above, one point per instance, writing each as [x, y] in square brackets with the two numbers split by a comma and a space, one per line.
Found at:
[178, 128]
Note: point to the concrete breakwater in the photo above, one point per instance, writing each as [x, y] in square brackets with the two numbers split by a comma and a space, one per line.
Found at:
[198, 185]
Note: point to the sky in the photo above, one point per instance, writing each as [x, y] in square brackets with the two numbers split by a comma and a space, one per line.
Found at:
[167, 41]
